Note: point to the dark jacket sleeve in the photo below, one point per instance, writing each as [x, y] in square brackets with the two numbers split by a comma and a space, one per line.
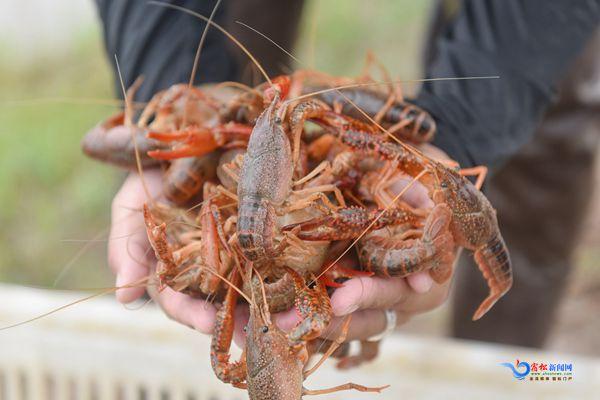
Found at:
[529, 44]
[160, 44]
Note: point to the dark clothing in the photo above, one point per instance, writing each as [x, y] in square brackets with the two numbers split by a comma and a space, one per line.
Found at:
[542, 196]
[160, 43]
[529, 44]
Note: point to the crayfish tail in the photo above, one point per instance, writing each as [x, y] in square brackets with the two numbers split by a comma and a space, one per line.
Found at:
[254, 227]
[494, 262]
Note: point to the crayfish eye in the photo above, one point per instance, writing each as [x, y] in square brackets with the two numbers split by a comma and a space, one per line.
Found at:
[245, 329]
[444, 185]
[265, 329]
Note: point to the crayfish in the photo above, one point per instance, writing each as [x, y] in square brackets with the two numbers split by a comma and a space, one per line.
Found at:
[273, 364]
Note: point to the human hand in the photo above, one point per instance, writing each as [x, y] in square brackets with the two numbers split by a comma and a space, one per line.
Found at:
[366, 298]
[131, 257]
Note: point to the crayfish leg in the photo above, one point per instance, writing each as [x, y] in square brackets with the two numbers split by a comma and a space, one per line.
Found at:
[226, 371]
[479, 171]
[157, 235]
[332, 348]
[339, 271]
[180, 152]
[298, 116]
[198, 140]
[346, 386]
[351, 222]
[213, 244]
[195, 143]
[368, 352]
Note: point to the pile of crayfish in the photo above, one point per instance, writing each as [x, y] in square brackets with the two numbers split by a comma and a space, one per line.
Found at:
[283, 179]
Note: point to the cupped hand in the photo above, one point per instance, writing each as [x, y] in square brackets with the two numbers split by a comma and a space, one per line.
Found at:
[131, 257]
[366, 298]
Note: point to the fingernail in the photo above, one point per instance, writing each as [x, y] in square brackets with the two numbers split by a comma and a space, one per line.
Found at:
[420, 283]
[427, 284]
[119, 291]
[118, 281]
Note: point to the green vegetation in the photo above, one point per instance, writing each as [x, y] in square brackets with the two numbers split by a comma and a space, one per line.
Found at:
[50, 192]
[347, 30]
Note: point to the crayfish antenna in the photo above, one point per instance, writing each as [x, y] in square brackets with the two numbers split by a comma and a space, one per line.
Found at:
[197, 61]
[67, 100]
[128, 122]
[266, 316]
[228, 282]
[407, 147]
[78, 301]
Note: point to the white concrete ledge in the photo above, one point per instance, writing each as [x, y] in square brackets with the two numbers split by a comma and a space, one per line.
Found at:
[99, 349]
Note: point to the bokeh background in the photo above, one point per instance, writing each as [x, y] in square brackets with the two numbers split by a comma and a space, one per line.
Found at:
[55, 84]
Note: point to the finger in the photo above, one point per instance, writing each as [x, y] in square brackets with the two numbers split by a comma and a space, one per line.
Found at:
[195, 313]
[381, 293]
[241, 320]
[368, 292]
[127, 254]
[434, 152]
[416, 196]
[368, 323]
[128, 247]
[132, 270]
[364, 324]
[286, 320]
[420, 282]
[422, 302]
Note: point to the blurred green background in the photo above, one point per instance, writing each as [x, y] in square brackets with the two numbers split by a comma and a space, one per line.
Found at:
[55, 200]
